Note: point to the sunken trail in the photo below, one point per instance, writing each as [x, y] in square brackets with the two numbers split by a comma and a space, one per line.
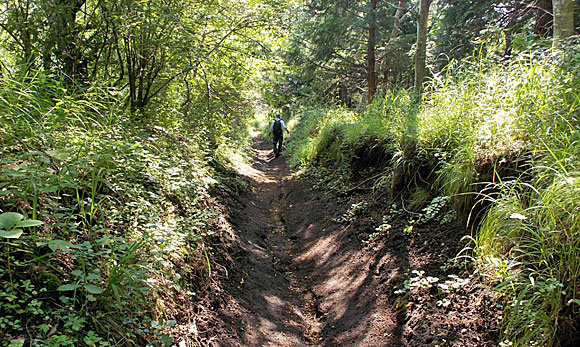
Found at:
[302, 278]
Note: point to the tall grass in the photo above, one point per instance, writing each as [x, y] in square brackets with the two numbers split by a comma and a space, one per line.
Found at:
[497, 134]
[124, 206]
[535, 231]
[533, 224]
[334, 136]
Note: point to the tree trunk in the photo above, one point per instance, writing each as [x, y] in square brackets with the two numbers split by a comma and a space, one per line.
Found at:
[421, 54]
[343, 96]
[397, 23]
[26, 32]
[62, 41]
[371, 58]
[388, 68]
[563, 19]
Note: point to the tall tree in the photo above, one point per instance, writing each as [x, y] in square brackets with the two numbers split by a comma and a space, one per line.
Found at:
[396, 60]
[147, 33]
[396, 30]
[563, 19]
[62, 46]
[338, 42]
[348, 49]
[421, 54]
[142, 48]
[371, 58]
[18, 21]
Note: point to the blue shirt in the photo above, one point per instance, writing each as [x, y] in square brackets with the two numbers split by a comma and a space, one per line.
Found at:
[281, 121]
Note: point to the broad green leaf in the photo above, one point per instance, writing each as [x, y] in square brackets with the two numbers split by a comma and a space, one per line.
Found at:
[12, 234]
[17, 342]
[93, 289]
[28, 223]
[9, 219]
[68, 287]
[166, 340]
[91, 298]
[77, 273]
[93, 276]
[59, 154]
[59, 244]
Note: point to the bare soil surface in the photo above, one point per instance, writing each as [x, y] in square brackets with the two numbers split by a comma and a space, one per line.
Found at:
[305, 272]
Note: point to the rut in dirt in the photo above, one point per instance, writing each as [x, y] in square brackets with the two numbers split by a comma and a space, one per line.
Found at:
[270, 304]
[303, 280]
[303, 277]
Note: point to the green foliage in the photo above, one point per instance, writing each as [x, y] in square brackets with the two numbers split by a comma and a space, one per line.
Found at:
[117, 119]
[343, 138]
[327, 47]
[113, 206]
[113, 119]
[485, 134]
[536, 232]
[11, 224]
[530, 236]
[433, 210]
[353, 212]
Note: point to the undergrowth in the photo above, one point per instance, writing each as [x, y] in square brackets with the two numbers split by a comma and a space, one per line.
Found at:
[500, 140]
[114, 215]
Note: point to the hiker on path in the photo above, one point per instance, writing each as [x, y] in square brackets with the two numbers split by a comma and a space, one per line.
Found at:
[276, 127]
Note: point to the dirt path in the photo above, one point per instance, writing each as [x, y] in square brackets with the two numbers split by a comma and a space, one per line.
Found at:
[304, 279]
[269, 305]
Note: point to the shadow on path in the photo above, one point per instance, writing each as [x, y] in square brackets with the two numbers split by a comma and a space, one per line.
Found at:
[301, 278]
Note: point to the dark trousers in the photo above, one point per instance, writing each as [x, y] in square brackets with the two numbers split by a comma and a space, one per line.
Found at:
[278, 144]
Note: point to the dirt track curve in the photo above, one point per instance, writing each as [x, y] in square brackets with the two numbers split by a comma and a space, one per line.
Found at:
[304, 279]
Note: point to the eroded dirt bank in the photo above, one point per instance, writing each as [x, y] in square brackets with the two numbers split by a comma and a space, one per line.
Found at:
[304, 275]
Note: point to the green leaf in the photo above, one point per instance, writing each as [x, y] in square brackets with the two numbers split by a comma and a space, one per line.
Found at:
[93, 277]
[93, 289]
[28, 223]
[17, 342]
[78, 273]
[59, 244]
[116, 293]
[68, 287]
[15, 174]
[91, 298]
[166, 340]
[12, 234]
[59, 154]
[44, 328]
[9, 219]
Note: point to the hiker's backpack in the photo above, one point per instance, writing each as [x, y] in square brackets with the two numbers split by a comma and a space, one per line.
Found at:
[277, 128]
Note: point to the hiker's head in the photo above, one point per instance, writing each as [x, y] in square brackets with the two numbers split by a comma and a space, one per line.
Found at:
[278, 115]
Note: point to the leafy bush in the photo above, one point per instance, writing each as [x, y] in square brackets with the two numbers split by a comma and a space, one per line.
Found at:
[122, 205]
